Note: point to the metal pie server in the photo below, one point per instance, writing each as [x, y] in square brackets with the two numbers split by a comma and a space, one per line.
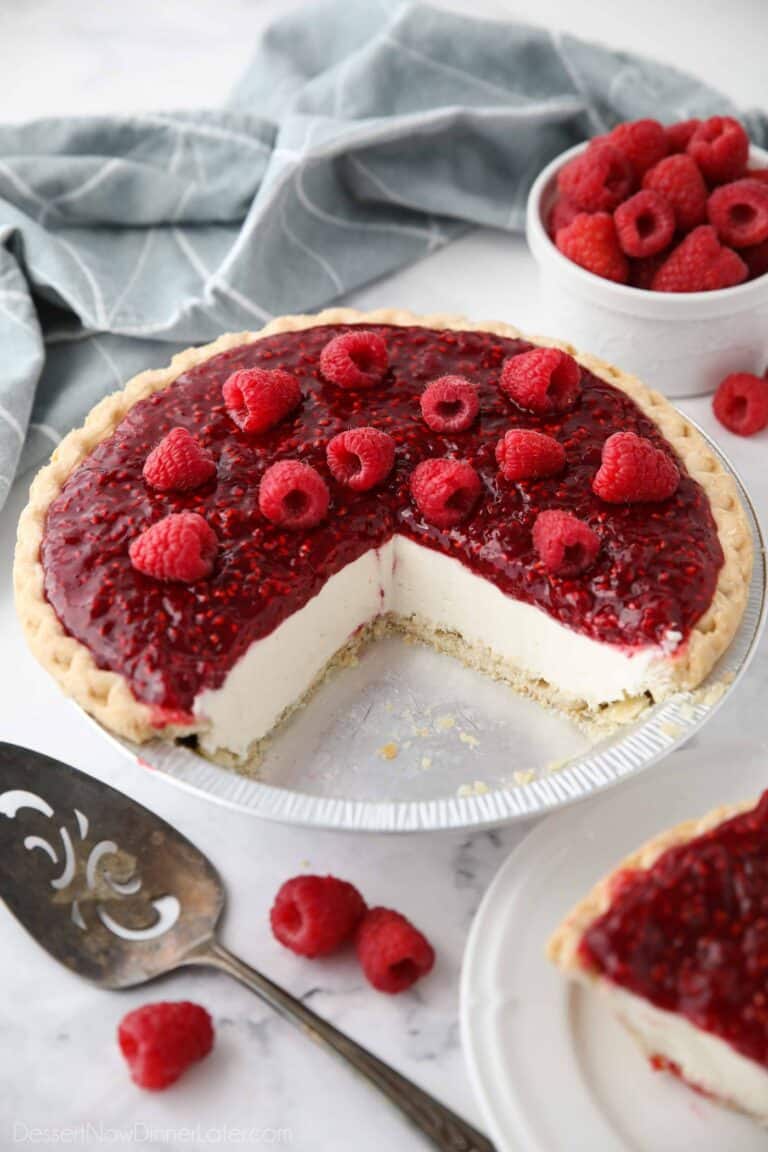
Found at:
[119, 897]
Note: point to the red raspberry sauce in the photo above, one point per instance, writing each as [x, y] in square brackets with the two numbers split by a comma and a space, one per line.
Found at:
[690, 934]
[657, 568]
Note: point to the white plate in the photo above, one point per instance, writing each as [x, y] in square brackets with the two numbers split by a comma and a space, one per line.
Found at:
[469, 751]
[553, 1070]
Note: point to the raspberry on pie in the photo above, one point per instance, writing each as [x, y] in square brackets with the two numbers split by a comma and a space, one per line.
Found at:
[259, 398]
[361, 458]
[293, 495]
[445, 491]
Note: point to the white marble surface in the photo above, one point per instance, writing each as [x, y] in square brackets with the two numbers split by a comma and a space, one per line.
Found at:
[59, 1066]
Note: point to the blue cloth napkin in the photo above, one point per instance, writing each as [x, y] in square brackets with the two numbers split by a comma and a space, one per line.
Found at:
[362, 137]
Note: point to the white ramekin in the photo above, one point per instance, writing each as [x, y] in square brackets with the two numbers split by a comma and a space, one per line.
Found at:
[681, 343]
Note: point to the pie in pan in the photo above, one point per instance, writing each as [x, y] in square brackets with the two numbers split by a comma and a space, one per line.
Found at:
[220, 533]
[676, 939]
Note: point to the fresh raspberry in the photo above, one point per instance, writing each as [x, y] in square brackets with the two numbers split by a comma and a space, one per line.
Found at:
[741, 403]
[678, 135]
[565, 545]
[160, 1041]
[361, 458]
[445, 491]
[450, 404]
[527, 455]
[597, 179]
[316, 915]
[591, 242]
[392, 953]
[739, 213]
[633, 470]
[642, 272]
[258, 398]
[700, 264]
[181, 546]
[643, 142]
[179, 462]
[645, 224]
[356, 359]
[542, 380]
[561, 214]
[756, 259]
[760, 174]
[682, 185]
[720, 147]
[293, 495]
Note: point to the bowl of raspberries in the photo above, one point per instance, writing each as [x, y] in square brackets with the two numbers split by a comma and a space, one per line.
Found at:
[652, 246]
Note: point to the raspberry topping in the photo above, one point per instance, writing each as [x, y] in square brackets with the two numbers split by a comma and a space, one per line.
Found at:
[356, 359]
[450, 404]
[720, 147]
[524, 454]
[181, 547]
[643, 142]
[645, 224]
[543, 380]
[593, 243]
[172, 642]
[633, 470]
[741, 403]
[566, 545]
[445, 491]
[679, 135]
[739, 213]
[316, 915]
[690, 933]
[361, 458]
[700, 263]
[178, 463]
[293, 495]
[392, 953]
[679, 181]
[598, 179]
[160, 1041]
[257, 399]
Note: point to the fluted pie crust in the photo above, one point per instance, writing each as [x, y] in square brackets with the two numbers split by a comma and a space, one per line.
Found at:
[107, 695]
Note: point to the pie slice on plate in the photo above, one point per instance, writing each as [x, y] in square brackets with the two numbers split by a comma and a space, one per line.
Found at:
[219, 534]
[676, 939]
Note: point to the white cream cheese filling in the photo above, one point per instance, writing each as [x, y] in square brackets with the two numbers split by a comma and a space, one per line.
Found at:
[704, 1059]
[407, 579]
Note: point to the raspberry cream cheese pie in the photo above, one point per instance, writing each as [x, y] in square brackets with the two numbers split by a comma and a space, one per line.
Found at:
[676, 938]
[220, 533]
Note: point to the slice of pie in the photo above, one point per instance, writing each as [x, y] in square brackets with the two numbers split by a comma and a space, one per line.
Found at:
[676, 938]
[218, 534]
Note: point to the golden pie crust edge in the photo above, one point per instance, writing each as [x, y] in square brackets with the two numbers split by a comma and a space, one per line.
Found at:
[562, 948]
[107, 696]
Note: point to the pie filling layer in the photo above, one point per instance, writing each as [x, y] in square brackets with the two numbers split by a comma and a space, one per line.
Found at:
[701, 1059]
[176, 643]
[690, 934]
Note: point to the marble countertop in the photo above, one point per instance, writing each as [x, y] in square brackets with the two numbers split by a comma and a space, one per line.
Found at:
[59, 1066]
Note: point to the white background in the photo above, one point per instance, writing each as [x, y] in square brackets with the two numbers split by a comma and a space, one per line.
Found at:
[58, 1061]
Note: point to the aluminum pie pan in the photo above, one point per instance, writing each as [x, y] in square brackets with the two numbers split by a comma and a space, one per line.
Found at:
[353, 760]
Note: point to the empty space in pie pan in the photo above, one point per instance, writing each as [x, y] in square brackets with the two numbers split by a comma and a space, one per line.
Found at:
[409, 740]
